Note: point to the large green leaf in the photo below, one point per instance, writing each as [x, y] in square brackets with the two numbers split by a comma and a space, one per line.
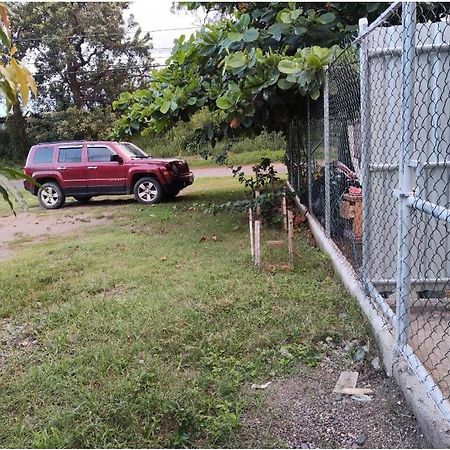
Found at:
[278, 29]
[285, 17]
[4, 39]
[244, 21]
[5, 196]
[322, 53]
[327, 17]
[165, 106]
[315, 94]
[313, 61]
[235, 36]
[236, 60]
[251, 35]
[284, 84]
[224, 103]
[287, 66]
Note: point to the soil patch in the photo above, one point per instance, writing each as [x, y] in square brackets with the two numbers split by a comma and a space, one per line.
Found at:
[34, 226]
[302, 412]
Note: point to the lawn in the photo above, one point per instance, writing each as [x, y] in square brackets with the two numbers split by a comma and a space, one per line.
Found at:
[30, 200]
[237, 159]
[148, 331]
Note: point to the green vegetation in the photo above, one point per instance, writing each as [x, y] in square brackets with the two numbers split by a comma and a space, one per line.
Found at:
[30, 200]
[85, 55]
[148, 330]
[238, 159]
[239, 151]
[254, 68]
[16, 84]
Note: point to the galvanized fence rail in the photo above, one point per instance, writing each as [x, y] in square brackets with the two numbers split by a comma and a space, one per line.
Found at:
[371, 161]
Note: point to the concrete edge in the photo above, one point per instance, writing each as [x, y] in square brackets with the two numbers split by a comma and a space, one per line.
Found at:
[434, 426]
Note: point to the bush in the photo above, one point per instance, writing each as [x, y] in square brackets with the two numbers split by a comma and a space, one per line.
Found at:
[175, 141]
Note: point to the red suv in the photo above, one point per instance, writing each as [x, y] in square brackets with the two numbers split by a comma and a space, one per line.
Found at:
[86, 169]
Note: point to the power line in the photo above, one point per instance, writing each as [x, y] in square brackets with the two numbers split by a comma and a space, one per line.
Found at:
[74, 36]
[109, 69]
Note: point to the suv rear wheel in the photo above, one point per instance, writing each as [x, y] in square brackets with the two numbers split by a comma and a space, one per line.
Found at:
[147, 191]
[51, 196]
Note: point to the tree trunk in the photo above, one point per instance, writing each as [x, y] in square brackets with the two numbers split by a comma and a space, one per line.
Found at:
[72, 68]
[16, 125]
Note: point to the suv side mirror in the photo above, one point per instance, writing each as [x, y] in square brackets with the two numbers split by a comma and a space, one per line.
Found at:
[116, 158]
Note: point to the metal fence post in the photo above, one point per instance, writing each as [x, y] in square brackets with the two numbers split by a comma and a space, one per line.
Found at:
[308, 153]
[326, 138]
[365, 151]
[405, 175]
[289, 152]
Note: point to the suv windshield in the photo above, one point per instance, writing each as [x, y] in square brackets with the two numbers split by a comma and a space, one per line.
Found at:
[132, 150]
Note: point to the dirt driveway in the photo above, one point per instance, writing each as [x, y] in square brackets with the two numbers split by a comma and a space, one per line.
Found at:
[37, 224]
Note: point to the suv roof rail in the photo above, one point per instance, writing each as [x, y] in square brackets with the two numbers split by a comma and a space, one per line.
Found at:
[73, 141]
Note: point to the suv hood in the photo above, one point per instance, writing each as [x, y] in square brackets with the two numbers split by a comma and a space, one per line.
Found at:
[156, 160]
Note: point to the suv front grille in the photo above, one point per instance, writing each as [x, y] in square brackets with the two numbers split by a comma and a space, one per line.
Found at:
[179, 167]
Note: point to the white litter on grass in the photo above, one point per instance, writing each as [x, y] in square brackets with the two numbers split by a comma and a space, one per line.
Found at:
[260, 386]
[362, 398]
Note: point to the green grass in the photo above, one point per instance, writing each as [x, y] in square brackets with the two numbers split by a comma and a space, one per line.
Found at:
[149, 329]
[237, 159]
[31, 201]
[10, 165]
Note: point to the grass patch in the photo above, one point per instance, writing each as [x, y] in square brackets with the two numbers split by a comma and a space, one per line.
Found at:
[147, 331]
[31, 201]
[10, 165]
[237, 159]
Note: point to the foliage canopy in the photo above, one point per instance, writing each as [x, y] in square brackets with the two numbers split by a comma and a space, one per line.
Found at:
[257, 64]
[16, 83]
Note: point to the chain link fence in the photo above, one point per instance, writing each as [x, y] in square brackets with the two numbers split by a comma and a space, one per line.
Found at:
[372, 164]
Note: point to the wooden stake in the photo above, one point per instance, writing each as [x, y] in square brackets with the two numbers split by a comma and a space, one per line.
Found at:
[284, 211]
[250, 224]
[290, 215]
[257, 244]
[258, 208]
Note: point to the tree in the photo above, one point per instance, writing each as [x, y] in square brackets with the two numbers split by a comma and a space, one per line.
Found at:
[85, 53]
[257, 64]
[16, 83]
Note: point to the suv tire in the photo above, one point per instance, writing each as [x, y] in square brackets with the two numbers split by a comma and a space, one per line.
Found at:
[173, 194]
[51, 196]
[147, 191]
[82, 198]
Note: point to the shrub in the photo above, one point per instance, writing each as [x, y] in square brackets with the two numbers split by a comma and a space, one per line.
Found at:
[175, 141]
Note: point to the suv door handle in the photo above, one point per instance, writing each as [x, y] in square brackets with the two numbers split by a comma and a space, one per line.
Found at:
[61, 168]
[92, 167]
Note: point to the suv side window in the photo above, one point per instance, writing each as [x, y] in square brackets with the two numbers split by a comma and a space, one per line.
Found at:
[43, 155]
[69, 154]
[99, 154]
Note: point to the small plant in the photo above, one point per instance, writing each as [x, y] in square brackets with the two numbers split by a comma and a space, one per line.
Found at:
[265, 188]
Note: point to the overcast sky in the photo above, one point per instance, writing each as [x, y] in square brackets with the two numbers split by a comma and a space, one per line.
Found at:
[157, 16]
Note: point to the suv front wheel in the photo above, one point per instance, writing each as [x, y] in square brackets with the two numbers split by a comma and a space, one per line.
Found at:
[148, 191]
[51, 196]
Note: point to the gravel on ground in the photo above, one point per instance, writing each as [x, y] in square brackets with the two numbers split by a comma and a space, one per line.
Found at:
[301, 411]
